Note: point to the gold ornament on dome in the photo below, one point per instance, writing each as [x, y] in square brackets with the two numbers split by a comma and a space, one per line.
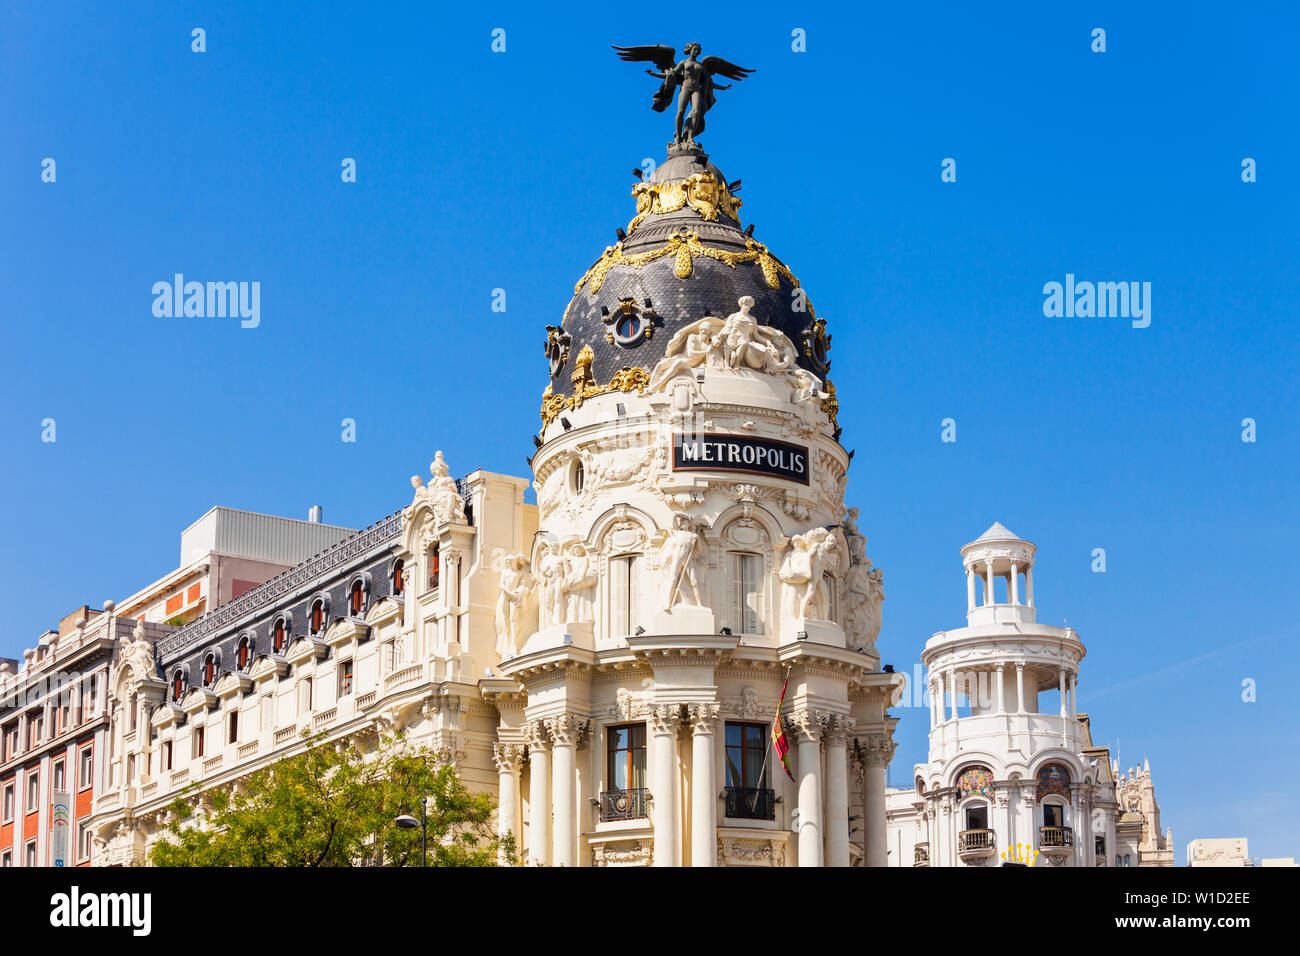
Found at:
[685, 246]
[831, 404]
[624, 380]
[702, 192]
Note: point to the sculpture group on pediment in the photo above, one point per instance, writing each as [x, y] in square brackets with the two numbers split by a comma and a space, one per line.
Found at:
[442, 493]
[736, 342]
[864, 590]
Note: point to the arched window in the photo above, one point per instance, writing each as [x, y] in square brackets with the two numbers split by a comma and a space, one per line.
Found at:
[747, 592]
[209, 670]
[317, 616]
[623, 571]
[278, 636]
[178, 685]
[399, 577]
[435, 565]
[356, 599]
[245, 656]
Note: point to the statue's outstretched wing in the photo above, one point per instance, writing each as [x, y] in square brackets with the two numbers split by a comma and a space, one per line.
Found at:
[660, 55]
[720, 67]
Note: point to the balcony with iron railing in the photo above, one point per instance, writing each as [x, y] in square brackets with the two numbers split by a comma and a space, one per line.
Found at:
[976, 844]
[751, 803]
[1056, 841]
[631, 804]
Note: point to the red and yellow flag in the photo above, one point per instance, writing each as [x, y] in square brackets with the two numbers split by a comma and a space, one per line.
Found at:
[778, 733]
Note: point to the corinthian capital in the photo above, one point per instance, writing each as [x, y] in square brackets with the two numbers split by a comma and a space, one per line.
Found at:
[539, 737]
[567, 730]
[703, 717]
[665, 718]
[877, 750]
[807, 724]
[837, 728]
[509, 758]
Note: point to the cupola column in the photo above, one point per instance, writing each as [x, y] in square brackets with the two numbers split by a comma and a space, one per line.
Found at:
[952, 692]
[808, 728]
[664, 721]
[1029, 585]
[1002, 707]
[1014, 590]
[1060, 674]
[988, 583]
[970, 589]
[539, 794]
[1020, 687]
[704, 788]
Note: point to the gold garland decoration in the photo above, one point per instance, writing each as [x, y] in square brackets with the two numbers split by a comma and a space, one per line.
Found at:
[831, 404]
[702, 192]
[626, 379]
[685, 246]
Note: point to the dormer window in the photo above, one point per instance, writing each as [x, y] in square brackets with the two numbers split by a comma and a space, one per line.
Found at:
[209, 670]
[244, 657]
[356, 599]
[178, 686]
[278, 636]
[399, 577]
[317, 616]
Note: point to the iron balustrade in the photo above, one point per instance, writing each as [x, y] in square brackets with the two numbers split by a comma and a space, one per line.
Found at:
[1055, 836]
[975, 840]
[624, 804]
[750, 803]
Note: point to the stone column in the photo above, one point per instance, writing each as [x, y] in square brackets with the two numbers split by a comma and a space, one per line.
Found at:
[1061, 685]
[989, 593]
[509, 759]
[1074, 695]
[1014, 589]
[837, 729]
[952, 691]
[970, 589]
[808, 730]
[566, 732]
[704, 786]
[1029, 586]
[935, 719]
[664, 721]
[877, 751]
[1020, 687]
[539, 794]
[1002, 705]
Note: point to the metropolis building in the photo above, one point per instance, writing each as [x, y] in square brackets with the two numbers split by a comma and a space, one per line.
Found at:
[608, 661]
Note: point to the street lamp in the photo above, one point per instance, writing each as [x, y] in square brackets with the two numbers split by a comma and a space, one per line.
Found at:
[408, 822]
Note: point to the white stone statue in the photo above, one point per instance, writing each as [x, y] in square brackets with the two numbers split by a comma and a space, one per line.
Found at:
[804, 565]
[137, 654]
[442, 493]
[679, 555]
[579, 577]
[865, 592]
[736, 342]
[550, 585]
[856, 539]
[515, 582]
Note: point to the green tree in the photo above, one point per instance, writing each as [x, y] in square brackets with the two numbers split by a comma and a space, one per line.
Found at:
[334, 805]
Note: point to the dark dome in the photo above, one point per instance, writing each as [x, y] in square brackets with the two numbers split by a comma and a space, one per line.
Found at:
[685, 257]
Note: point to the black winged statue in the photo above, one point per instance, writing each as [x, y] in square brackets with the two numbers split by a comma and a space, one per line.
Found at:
[693, 75]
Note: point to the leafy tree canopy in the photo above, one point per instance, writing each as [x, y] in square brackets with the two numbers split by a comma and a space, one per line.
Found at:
[334, 805]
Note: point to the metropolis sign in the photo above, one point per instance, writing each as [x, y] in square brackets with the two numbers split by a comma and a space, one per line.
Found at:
[741, 453]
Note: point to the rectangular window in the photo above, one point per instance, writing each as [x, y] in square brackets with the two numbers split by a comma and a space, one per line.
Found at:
[11, 741]
[345, 678]
[37, 725]
[746, 748]
[304, 695]
[58, 775]
[8, 801]
[622, 594]
[747, 608]
[65, 712]
[85, 767]
[33, 791]
[626, 757]
[83, 842]
[1051, 815]
[29, 858]
[6, 859]
[196, 738]
[167, 755]
[130, 768]
[234, 727]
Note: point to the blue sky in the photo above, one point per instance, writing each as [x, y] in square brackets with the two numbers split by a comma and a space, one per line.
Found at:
[479, 170]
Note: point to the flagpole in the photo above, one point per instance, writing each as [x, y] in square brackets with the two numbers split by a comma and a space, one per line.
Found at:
[768, 748]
